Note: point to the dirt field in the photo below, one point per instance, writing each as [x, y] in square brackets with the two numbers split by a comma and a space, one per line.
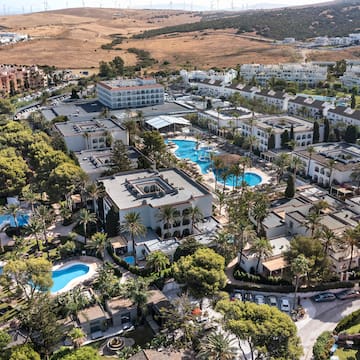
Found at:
[72, 38]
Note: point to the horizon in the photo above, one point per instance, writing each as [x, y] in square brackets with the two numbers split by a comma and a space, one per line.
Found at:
[26, 7]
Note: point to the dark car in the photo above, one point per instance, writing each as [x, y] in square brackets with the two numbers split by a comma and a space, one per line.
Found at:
[248, 297]
[323, 297]
[348, 294]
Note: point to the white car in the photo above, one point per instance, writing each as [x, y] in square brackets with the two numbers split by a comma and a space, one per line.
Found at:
[272, 301]
[259, 299]
[237, 295]
[284, 305]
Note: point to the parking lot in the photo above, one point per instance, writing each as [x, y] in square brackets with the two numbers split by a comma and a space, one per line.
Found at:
[284, 302]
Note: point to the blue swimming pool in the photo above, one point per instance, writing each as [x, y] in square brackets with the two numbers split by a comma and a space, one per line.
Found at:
[187, 150]
[22, 219]
[130, 260]
[63, 276]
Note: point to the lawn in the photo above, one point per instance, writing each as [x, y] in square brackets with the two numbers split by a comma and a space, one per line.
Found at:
[347, 354]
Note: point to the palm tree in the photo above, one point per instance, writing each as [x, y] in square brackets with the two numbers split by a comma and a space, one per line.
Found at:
[331, 163]
[296, 164]
[237, 172]
[98, 242]
[299, 268]
[77, 337]
[45, 216]
[312, 222]
[351, 239]
[217, 346]
[30, 197]
[195, 215]
[355, 176]
[223, 245]
[282, 161]
[259, 210]
[94, 191]
[292, 144]
[137, 291]
[224, 176]
[131, 126]
[262, 248]
[311, 151]
[157, 261]
[14, 211]
[167, 216]
[134, 227]
[86, 217]
[217, 164]
[328, 238]
[34, 227]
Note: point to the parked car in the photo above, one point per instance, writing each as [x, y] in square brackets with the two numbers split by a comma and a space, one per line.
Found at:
[237, 295]
[259, 299]
[347, 294]
[272, 301]
[326, 296]
[284, 305]
[248, 297]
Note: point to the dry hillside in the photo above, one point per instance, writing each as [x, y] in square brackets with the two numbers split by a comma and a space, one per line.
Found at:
[72, 38]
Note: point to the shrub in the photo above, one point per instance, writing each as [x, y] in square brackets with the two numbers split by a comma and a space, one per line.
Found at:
[322, 346]
[348, 321]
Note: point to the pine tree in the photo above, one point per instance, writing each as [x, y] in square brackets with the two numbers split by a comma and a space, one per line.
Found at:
[350, 134]
[316, 132]
[284, 139]
[326, 130]
[119, 157]
[292, 137]
[353, 101]
[271, 142]
[290, 188]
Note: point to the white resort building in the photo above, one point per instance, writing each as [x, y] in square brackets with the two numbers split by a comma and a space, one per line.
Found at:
[130, 93]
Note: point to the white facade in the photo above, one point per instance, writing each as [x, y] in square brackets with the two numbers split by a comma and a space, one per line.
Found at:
[131, 93]
[351, 76]
[225, 77]
[91, 134]
[347, 116]
[300, 73]
[277, 99]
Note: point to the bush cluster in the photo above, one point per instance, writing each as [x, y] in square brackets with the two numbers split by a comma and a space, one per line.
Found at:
[257, 279]
[322, 346]
[348, 321]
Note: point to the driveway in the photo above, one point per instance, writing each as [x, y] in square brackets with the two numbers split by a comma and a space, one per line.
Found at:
[322, 317]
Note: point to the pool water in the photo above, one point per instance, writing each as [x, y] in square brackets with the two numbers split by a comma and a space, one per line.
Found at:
[22, 220]
[187, 150]
[63, 276]
[250, 178]
[130, 260]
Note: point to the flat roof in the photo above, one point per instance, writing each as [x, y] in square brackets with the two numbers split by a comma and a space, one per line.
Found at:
[167, 246]
[275, 264]
[91, 313]
[177, 187]
[279, 245]
[281, 122]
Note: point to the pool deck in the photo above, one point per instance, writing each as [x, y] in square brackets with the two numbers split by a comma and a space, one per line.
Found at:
[209, 178]
[93, 264]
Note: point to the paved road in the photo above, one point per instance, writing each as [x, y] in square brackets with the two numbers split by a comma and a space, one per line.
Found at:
[322, 317]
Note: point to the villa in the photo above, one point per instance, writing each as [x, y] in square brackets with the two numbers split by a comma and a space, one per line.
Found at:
[93, 320]
[344, 115]
[308, 107]
[147, 192]
[130, 93]
[331, 163]
[277, 99]
[91, 134]
[351, 76]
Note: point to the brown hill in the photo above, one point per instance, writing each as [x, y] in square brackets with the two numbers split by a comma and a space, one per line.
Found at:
[72, 38]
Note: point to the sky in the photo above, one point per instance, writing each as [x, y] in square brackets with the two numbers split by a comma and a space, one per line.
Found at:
[25, 6]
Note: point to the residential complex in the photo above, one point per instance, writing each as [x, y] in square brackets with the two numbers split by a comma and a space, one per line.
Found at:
[130, 93]
[300, 73]
[341, 114]
[91, 134]
[147, 192]
[19, 78]
[307, 107]
[351, 76]
[331, 163]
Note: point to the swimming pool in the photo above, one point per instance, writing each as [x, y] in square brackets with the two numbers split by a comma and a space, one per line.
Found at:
[187, 150]
[63, 276]
[130, 260]
[22, 220]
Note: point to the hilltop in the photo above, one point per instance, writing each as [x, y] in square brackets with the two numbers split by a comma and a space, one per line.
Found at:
[79, 38]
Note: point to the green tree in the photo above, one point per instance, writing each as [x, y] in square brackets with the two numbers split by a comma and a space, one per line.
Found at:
[262, 248]
[118, 65]
[224, 245]
[290, 187]
[14, 211]
[202, 273]
[106, 70]
[299, 268]
[18, 274]
[316, 132]
[351, 134]
[107, 283]
[45, 216]
[312, 223]
[217, 346]
[133, 225]
[269, 333]
[154, 145]
[313, 250]
[34, 228]
[24, 352]
[259, 210]
[132, 128]
[195, 215]
[271, 142]
[282, 161]
[167, 216]
[157, 261]
[119, 157]
[77, 337]
[326, 130]
[84, 353]
[351, 239]
[6, 107]
[353, 101]
[284, 139]
[86, 217]
[187, 247]
[137, 291]
[5, 339]
[98, 242]
[311, 151]
[112, 222]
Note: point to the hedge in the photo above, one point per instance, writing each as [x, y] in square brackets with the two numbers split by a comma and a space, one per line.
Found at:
[271, 280]
[348, 321]
[322, 346]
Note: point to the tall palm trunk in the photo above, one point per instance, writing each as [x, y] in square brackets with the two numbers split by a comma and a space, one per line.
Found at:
[134, 250]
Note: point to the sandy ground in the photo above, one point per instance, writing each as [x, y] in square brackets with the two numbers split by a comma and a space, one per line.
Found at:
[72, 38]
